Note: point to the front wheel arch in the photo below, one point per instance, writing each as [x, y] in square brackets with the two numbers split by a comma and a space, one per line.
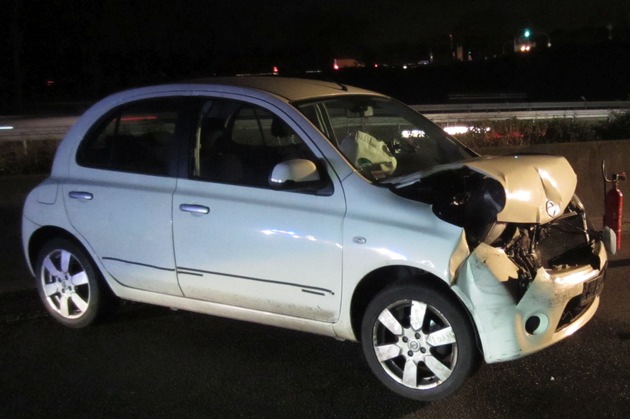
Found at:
[378, 280]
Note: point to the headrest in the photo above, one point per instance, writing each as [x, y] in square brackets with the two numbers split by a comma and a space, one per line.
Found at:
[279, 128]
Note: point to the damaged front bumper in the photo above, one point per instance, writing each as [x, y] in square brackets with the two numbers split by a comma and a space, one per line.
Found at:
[528, 266]
[513, 322]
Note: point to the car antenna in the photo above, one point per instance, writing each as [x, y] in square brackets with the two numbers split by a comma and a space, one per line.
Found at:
[341, 86]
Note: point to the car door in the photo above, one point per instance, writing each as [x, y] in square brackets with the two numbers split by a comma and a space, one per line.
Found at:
[241, 243]
[119, 197]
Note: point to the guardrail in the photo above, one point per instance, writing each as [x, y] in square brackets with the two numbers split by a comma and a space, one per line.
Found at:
[464, 112]
[520, 106]
[592, 114]
[21, 128]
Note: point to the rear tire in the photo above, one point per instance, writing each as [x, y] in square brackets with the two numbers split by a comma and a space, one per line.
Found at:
[68, 284]
[418, 342]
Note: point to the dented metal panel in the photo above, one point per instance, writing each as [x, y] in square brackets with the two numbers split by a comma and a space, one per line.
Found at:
[512, 325]
[537, 188]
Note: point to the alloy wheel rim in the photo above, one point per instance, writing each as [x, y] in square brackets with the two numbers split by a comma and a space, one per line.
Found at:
[415, 344]
[65, 284]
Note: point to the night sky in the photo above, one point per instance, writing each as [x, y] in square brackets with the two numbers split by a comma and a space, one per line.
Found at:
[107, 44]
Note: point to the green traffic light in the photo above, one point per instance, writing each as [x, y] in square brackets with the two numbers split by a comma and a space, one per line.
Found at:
[527, 33]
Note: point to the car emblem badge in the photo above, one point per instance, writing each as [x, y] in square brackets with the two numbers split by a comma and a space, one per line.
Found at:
[553, 209]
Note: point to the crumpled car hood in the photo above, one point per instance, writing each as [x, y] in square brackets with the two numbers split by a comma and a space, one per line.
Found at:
[537, 188]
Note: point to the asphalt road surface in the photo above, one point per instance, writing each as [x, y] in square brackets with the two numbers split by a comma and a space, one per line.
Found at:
[148, 362]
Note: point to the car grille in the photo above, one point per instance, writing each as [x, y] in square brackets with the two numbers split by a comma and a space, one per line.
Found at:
[560, 240]
[580, 303]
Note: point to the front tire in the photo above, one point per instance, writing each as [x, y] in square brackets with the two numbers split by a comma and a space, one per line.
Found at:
[418, 342]
[68, 284]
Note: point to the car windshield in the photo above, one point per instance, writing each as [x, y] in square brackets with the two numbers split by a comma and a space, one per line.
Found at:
[381, 137]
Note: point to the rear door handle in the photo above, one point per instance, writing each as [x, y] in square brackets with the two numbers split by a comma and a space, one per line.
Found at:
[81, 196]
[195, 209]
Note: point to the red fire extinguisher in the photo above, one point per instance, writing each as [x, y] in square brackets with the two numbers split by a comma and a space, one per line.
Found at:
[613, 208]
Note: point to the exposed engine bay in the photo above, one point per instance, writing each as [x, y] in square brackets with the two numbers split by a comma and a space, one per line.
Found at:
[520, 207]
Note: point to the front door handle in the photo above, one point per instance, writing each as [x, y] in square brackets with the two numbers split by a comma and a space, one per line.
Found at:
[195, 209]
[81, 196]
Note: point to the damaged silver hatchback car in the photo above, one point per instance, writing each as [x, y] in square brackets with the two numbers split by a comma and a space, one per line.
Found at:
[318, 207]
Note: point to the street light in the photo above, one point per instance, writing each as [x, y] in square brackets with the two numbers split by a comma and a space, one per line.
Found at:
[548, 39]
[523, 43]
[527, 41]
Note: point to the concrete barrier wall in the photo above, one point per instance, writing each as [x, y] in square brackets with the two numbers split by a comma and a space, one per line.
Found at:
[586, 159]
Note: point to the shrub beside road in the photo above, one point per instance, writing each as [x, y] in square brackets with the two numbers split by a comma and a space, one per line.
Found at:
[27, 157]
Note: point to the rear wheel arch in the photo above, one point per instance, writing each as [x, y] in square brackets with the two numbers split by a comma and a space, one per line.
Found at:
[69, 283]
[45, 235]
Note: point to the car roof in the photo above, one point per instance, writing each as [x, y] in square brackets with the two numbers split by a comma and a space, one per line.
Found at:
[291, 89]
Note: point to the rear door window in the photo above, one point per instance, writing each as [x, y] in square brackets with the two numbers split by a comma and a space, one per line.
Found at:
[137, 138]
